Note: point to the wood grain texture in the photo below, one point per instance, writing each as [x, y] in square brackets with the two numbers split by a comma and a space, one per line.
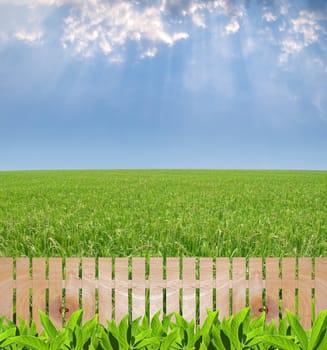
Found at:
[273, 285]
[288, 284]
[189, 291]
[105, 290]
[239, 284]
[39, 288]
[6, 287]
[121, 288]
[88, 288]
[55, 291]
[138, 292]
[256, 286]
[222, 287]
[22, 288]
[320, 285]
[206, 290]
[172, 290]
[156, 278]
[304, 291]
[72, 288]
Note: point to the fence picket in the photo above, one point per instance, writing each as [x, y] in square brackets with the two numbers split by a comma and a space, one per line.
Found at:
[239, 284]
[320, 285]
[156, 291]
[105, 290]
[304, 291]
[273, 285]
[121, 288]
[75, 285]
[288, 284]
[88, 290]
[22, 289]
[6, 287]
[172, 290]
[55, 291]
[222, 287]
[206, 289]
[255, 286]
[39, 288]
[189, 291]
[138, 292]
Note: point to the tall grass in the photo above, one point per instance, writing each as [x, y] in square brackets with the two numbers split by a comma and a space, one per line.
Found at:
[163, 212]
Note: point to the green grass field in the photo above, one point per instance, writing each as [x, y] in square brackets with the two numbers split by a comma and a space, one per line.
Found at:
[163, 212]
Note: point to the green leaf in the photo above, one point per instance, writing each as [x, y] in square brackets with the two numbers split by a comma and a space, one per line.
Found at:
[26, 341]
[48, 326]
[89, 329]
[282, 342]
[104, 339]
[11, 332]
[297, 329]
[318, 328]
[75, 319]
[169, 340]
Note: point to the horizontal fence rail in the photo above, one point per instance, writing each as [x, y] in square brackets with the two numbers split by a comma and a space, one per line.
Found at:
[114, 287]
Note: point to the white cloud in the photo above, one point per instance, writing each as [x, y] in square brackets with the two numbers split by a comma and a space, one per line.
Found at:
[29, 37]
[232, 27]
[103, 27]
[304, 30]
[269, 17]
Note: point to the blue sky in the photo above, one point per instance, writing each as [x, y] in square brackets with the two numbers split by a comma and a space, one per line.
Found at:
[163, 84]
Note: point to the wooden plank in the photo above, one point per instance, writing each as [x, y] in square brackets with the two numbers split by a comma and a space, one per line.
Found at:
[172, 290]
[156, 278]
[38, 291]
[55, 291]
[222, 287]
[206, 290]
[273, 285]
[189, 291]
[320, 285]
[255, 286]
[121, 288]
[288, 284]
[104, 290]
[88, 288]
[138, 291]
[6, 287]
[22, 289]
[72, 287]
[304, 291]
[239, 284]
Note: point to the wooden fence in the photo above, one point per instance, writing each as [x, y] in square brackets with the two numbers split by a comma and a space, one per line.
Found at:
[114, 287]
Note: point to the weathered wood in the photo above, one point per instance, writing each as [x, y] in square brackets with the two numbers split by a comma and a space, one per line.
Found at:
[288, 284]
[189, 290]
[88, 290]
[273, 285]
[72, 288]
[222, 287]
[256, 286]
[156, 291]
[138, 292]
[206, 290]
[105, 290]
[304, 291]
[79, 282]
[55, 291]
[38, 289]
[6, 287]
[172, 290]
[320, 285]
[121, 288]
[239, 284]
[23, 288]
